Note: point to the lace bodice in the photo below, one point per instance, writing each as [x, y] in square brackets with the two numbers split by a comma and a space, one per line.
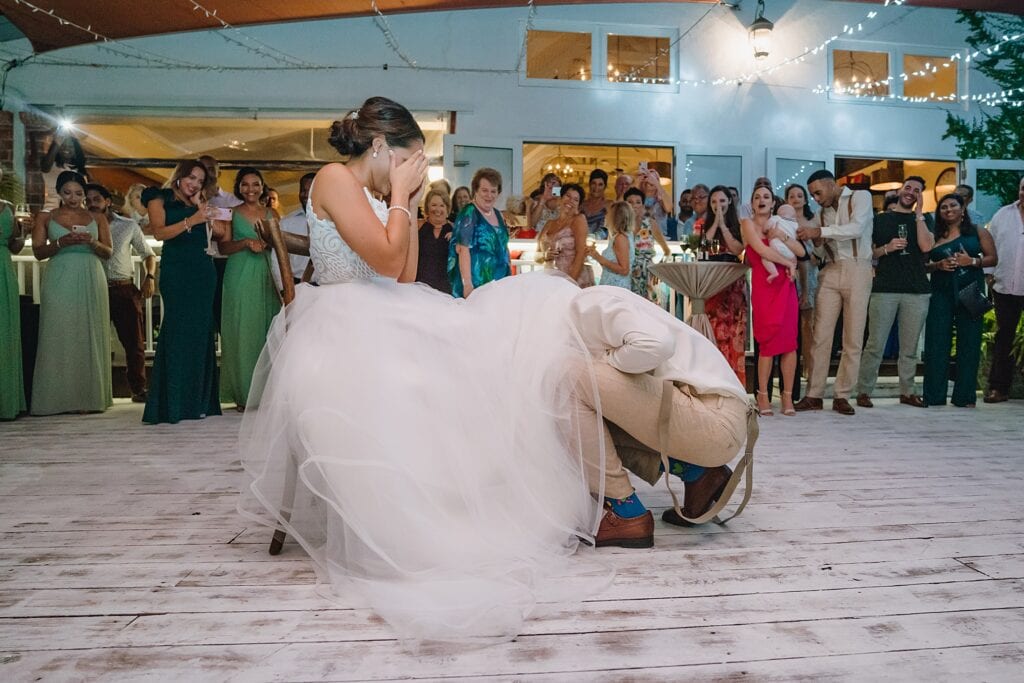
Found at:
[332, 258]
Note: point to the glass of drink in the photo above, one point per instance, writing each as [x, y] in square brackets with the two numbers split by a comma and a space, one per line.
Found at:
[901, 232]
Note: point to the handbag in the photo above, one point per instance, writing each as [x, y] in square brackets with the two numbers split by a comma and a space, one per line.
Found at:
[971, 298]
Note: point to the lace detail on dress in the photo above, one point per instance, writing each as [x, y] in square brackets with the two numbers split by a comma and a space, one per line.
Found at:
[332, 258]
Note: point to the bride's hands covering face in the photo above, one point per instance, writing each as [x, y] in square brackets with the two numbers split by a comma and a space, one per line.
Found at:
[407, 177]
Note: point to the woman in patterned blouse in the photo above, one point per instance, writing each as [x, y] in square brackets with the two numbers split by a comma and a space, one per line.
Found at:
[479, 246]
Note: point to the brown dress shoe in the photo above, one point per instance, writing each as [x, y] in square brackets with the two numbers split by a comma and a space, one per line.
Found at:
[995, 396]
[700, 495]
[912, 400]
[843, 407]
[864, 401]
[637, 532]
[808, 403]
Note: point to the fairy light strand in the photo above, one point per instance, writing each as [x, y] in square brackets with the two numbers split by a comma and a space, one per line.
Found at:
[389, 37]
[249, 43]
[526, 34]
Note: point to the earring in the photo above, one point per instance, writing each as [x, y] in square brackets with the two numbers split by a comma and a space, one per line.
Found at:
[177, 183]
[374, 154]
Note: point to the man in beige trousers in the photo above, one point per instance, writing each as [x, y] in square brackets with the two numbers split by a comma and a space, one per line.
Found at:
[669, 401]
[843, 240]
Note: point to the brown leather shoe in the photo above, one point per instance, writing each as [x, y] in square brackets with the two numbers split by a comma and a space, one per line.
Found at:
[637, 532]
[843, 407]
[700, 495]
[912, 400]
[864, 401]
[808, 403]
[995, 396]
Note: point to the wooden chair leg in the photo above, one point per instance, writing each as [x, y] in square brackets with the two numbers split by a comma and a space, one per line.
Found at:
[288, 500]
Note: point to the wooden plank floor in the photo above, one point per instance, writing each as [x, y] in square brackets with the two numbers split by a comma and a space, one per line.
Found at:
[888, 545]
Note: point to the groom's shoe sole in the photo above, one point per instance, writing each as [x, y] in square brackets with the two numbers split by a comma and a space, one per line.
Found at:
[619, 532]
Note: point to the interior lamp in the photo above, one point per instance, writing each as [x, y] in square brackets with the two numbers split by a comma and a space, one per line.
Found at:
[760, 32]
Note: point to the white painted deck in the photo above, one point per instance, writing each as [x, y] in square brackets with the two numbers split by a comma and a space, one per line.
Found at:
[887, 546]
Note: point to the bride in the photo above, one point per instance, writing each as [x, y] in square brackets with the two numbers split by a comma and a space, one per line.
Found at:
[421, 449]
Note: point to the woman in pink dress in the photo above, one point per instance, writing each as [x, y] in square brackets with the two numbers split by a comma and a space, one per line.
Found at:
[775, 306]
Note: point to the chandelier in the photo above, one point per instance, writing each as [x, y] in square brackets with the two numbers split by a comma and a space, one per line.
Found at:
[560, 164]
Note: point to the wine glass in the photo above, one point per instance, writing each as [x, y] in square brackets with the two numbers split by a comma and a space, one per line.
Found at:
[901, 232]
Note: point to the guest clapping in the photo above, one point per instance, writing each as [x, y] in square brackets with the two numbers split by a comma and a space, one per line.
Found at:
[617, 258]
[775, 304]
[435, 236]
[72, 371]
[563, 241]
[956, 261]
[479, 247]
[250, 299]
[727, 310]
[184, 384]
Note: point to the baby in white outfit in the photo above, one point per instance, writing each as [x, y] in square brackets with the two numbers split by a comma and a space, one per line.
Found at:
[784, 220]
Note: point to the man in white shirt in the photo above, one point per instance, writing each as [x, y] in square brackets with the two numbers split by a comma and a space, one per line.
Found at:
[843, 241]
[296, 224]
[124, 297]
[670, 402]
[1007, 228]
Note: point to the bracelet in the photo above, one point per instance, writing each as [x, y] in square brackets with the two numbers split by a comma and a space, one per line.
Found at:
[150, 276]
[922, 219]
[885, 249]
[188, 228]
[401, 208]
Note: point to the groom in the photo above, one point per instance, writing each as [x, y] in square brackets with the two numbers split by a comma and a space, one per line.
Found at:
[661, 387]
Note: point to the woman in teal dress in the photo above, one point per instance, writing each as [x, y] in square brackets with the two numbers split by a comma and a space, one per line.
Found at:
[479, 248]
[72, 372]
[183, 384]
[960, 253]
[12, 379]
[250, 298]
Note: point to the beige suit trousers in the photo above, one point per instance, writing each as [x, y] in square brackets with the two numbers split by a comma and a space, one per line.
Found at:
[706, 430]
[844, 287]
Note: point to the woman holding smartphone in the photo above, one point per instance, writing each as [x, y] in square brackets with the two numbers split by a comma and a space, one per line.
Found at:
[250, 299]
[184, 383]
[72, 372]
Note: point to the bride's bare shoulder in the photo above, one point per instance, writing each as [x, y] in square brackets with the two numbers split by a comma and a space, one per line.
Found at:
[335, 173]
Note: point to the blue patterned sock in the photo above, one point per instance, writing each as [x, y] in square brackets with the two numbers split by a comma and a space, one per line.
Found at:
[627, 508]
[684, 470]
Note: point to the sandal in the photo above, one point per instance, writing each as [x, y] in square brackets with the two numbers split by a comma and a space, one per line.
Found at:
[790, 411]
[764, 412]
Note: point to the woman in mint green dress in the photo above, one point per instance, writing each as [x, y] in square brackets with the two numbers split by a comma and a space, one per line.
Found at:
[72, 372]
[12, 386]
[250, 298]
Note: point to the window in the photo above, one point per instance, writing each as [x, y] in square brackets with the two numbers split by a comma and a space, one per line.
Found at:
[558, 55]
[857, 72]
[713, 169]
[930, 77]
[640, 59]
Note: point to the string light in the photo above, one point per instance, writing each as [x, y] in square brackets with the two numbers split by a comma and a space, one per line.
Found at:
[252, 44]
[526, 34]
[382, 23]
[798, 174]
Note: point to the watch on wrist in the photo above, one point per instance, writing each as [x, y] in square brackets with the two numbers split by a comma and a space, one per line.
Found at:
[150, 276]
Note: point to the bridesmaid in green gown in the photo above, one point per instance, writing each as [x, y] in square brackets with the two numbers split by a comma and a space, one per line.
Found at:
[183, 384]
[250, 297]
[12, 385]
[72, 372]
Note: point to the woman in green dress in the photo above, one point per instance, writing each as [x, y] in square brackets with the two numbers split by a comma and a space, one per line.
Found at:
[960, 254]
[478, 251]
[250, 297]
[72, 372]
[12, 384]
[183, 384]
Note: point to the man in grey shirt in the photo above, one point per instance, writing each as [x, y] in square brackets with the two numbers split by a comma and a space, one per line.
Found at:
[125, 297]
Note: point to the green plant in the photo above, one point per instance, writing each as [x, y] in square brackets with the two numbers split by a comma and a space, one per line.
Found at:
[998, 133]
[12, 190]
[988, 337]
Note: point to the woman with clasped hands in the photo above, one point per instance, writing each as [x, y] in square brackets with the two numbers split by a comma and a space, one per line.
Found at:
[479, 246]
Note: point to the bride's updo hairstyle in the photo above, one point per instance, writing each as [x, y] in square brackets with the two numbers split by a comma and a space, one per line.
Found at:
[378, 117]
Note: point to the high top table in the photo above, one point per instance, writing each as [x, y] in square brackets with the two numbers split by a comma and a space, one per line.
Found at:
[699, 281]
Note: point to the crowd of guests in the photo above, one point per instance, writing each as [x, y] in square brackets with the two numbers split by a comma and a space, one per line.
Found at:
[809, 270]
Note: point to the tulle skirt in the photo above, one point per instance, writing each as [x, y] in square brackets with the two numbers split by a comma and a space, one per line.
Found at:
[424, 450]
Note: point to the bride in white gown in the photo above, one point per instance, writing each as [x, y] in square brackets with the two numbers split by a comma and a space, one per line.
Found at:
[420, 448]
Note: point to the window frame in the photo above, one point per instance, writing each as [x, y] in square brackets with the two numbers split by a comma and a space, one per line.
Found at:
[599, 34]
[896, 54]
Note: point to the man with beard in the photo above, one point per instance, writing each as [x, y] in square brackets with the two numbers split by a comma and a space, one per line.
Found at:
[899, 292]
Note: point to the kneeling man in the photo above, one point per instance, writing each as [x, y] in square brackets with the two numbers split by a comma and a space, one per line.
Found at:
[669, 401]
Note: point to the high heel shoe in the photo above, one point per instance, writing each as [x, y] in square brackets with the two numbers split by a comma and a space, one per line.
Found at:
[764, 412]
[790, 411]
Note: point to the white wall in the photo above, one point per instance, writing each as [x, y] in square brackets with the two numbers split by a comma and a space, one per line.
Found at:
[778, 111]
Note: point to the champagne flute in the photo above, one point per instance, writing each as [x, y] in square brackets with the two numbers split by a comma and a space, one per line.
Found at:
[901, 232]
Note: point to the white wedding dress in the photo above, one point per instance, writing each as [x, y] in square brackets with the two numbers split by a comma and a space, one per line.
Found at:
[420, 448]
